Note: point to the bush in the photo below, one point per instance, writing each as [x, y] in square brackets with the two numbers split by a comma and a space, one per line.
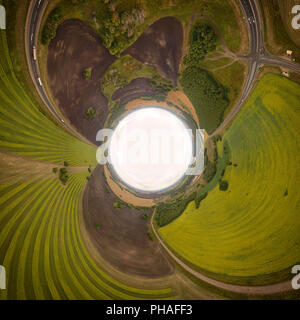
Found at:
[63, 175]
[145, 216]
[91, 113]
[119, 204]
[66, 164]
[87, 73]
[55, 170]
[223, 185]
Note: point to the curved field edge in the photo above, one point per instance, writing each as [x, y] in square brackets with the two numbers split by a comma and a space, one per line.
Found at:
[250, 233]
[40, 241]
[42, 248]
[25, 130]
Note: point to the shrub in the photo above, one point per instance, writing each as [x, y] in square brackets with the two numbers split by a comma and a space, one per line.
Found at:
[223, 185]
[87, 73]
[119, 204]
[63, 175]
[55, 170]
[145, 216]
[91, 113]
[66, 164]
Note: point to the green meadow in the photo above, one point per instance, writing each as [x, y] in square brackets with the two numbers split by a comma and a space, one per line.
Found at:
[41, 245]
[253, 228]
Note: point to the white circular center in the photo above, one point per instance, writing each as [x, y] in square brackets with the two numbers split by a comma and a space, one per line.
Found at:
[150, 149]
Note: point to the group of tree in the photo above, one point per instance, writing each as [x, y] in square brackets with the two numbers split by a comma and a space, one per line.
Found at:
[166, 212]
[207, 95]
[118, 28]
[202, 40]
[51, 24]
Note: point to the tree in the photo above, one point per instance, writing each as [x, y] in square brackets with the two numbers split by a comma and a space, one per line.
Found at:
[223, 185]
[91, 113]
[87, 73]
[202, 40]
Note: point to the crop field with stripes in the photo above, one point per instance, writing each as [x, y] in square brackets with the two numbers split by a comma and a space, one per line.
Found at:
[41, 245]
[252, 228]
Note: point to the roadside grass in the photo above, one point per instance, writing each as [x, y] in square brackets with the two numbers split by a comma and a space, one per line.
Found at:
[279, 35]
[213, 64]
[249, 234]
[232, 78]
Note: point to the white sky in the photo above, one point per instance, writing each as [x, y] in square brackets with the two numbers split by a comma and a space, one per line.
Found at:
[150, 149]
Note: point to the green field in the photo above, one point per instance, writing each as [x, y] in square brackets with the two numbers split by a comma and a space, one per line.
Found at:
[41, 245]
[252, 229]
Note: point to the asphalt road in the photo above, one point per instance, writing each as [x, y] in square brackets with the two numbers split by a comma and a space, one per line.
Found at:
[256, 57]
[32, 28]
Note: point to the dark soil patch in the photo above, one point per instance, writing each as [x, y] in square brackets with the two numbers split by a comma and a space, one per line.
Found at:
[160, 46]
[75, 48]
[120, 235]
[137, 88]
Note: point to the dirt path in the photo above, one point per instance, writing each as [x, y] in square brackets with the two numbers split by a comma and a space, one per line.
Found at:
[15, 168]
[249, 290]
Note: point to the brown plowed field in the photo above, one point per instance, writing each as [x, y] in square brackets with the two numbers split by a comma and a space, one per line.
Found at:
[75, 48]
[160, 46]
[120, 235]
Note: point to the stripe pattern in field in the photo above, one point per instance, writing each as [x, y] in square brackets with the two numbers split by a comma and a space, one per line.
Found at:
[43, 252]
[253, 228]
[41, 245]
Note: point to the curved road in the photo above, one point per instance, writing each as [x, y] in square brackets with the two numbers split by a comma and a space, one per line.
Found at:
[256, 57]
[34, 17]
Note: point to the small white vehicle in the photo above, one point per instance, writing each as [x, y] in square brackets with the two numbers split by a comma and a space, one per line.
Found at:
[34, 53]
[40, 82]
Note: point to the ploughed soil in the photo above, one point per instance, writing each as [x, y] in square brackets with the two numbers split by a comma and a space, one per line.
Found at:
[137, 88]
[160, 46]
[75, 48]
[120, 235]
